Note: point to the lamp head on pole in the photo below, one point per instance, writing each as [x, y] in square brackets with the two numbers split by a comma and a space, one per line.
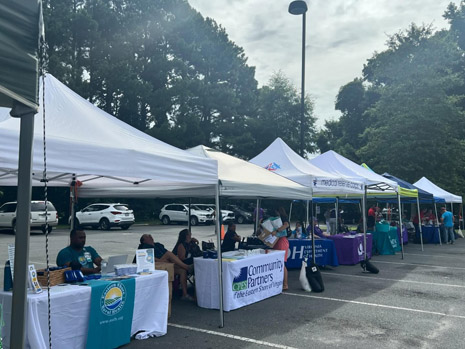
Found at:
[297, 7]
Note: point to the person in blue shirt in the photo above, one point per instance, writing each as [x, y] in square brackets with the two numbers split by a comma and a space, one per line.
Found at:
[447, 219]
[78, 256]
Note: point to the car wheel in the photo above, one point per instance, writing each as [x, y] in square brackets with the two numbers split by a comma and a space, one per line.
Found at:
[104, 224]
[14, 227]
[240, 219]
[125, 227]
[194, 220]
[165, 220]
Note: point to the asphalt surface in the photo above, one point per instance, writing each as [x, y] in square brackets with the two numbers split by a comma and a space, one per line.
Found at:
[415, 302]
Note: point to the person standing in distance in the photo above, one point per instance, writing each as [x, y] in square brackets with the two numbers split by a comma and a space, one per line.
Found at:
[447, 219]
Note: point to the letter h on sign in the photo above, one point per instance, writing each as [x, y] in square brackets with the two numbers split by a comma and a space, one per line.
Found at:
[295, 252]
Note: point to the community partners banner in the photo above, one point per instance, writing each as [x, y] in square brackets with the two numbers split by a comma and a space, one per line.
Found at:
[111, 309]
[252, 279]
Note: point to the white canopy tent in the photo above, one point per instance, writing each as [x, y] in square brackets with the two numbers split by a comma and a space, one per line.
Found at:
[425, 184]
[278, 157]
[241, 179]
[336, 164]
[86, 144]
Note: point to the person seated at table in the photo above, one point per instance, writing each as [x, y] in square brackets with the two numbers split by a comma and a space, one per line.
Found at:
[187, 247]
[415, 219]
[317, 231]
[78, 256]
[230, 238]
[297, 233]
[163, 255]
[430, 217]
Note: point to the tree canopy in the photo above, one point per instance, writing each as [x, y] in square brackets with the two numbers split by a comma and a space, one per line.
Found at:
[162, 67]
[405, 115]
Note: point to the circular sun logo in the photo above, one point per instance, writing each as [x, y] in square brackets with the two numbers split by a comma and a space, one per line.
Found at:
[113, 299]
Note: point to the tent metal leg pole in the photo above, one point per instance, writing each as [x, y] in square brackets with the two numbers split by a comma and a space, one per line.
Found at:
[220, 259]
[189, 217]
[337, 216]
[290, 212]
[419, 223]
[437, 224]
[313, 233]
[257, 215]
[463, 225]
[306, 217]
[18, 308]
[400, 225]
[364, 217]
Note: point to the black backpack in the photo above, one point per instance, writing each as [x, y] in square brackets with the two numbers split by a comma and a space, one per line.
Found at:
[314, 277]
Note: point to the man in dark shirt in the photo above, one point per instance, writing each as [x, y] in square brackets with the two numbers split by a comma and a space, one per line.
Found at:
[161, 253]
[230, 238]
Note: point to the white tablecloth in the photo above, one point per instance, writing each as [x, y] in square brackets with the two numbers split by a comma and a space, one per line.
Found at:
[70, 309]
[245, 281]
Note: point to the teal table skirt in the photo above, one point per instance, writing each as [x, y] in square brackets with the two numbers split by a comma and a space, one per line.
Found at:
[385, 242]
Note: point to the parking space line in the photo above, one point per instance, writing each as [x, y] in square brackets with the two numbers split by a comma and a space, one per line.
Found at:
[231, 336]
[396, 280]
[419, 265]
[430, 255]
[375, 305]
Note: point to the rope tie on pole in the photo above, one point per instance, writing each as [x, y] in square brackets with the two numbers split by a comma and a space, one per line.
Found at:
[43, 71]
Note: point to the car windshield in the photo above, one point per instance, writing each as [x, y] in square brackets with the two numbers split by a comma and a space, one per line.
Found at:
[121, 207]
[40, 206]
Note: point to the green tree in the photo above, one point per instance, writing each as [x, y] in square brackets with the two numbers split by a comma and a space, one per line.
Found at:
[279, 115]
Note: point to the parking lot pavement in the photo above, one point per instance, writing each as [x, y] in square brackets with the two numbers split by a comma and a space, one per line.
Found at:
[415, 302]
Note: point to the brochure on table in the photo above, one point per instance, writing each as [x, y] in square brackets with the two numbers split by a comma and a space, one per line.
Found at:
[145, 260]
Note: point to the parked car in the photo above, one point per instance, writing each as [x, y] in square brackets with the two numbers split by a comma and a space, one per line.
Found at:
[8, 215]
[242, 216]
[226, 215]
[179, 212]
[105, 216]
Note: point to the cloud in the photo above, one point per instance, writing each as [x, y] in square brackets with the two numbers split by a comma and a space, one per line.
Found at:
[341, 36]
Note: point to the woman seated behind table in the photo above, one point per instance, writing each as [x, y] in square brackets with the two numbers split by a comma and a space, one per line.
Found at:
[297, 233]
[230, 238]
[187, 247]
[319, 234]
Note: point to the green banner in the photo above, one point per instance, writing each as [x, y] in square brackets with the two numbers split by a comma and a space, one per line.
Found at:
[111, 309]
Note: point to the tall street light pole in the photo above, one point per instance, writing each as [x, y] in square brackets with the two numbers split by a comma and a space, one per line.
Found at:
[299, 7]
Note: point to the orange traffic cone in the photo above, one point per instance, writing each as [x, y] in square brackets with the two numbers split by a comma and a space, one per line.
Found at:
[222, 232]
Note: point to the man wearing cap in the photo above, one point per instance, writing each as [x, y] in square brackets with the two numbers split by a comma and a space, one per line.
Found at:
[447, 219]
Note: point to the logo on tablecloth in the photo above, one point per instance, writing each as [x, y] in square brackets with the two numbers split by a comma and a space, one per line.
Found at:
[240, 281]
[272, 166]
[360, 249]
[113, 299]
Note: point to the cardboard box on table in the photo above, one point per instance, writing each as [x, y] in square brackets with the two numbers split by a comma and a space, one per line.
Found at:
[169, 267]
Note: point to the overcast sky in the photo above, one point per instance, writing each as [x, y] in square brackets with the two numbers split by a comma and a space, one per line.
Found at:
[341, 36]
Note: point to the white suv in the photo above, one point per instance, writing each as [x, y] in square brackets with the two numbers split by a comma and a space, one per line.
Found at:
[178, 213]
[105, 216]
[226, 215]
[8, 215]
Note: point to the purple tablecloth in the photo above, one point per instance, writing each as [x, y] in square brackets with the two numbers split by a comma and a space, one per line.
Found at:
[349, 248]
[405, 236]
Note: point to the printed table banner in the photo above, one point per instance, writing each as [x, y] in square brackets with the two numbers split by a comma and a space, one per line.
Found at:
[245, 281]
[299, 250]
[111, 310]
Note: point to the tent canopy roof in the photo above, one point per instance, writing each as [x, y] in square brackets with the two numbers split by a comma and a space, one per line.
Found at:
[278, 157]
[239, 178]
[423, 195]
[85, 143]
[425, 184]
[336, 164]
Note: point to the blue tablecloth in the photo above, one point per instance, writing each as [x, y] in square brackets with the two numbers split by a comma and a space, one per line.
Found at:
[430, 234]
[325, 252]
